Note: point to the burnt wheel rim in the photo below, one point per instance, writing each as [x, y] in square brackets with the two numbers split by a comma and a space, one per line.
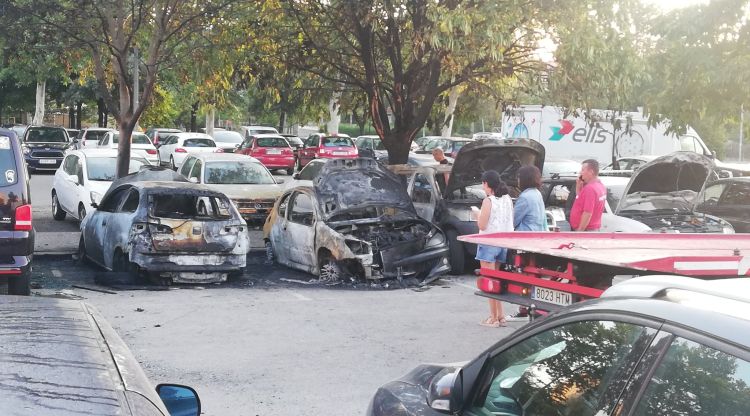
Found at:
[329, 271]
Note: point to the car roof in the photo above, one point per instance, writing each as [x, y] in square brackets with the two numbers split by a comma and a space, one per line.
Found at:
[265, 135]
[169, 186]
[192, 135]
[225, 157]
[99, 129]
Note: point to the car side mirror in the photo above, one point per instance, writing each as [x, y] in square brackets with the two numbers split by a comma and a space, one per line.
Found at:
[279, 180]
[713, 154]
[94, 205]
[179, 400]
[446, 391]
[295, 176]
[73, 179]
[193, 179]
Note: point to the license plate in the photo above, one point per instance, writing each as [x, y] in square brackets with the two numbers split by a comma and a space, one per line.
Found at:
[551, 296]
[47, 161]
[340, 153]
[274, 151]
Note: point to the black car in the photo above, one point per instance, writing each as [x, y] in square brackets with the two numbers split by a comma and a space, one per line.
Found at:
[44, 147]
[728, 199]
[61, 358]
[658, 345]
[16, 230]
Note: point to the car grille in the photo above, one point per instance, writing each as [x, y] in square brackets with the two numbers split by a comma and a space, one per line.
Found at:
[258, 208]
[47, 153]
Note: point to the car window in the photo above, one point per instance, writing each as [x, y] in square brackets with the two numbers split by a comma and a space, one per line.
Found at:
[199, 143]
[312, 141]
[282, 205]
[301, 210]
[228, 137]
[104, 168]
[310, 171]
[46, 135]
[574, 369]
[712, 194]
[271, 142]
[738, 194]
[377, 144]
[7, 162]
[458, 145]
[184, 206]
[238, 173]
[69, 165]
[113, 201]
[337, 141]
[131, 202]
[187, 166]
[196, 171]
[135, 138]
[694, 379]
[422, 189]
[362, 143]
[95, 135]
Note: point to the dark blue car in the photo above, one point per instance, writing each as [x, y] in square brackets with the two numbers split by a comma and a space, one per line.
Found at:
[44, 147]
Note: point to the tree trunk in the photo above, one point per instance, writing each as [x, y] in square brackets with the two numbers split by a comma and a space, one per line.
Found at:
[334, 117]
[282, 121]
[194, 117]
[72, 116]
[398, 151]
[127, 122]
[447, 128]
[210, 119]
[78, 115]
[101, 108]
[41, 87]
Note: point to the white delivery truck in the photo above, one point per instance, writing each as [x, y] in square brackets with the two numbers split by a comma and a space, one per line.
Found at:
[577, 138]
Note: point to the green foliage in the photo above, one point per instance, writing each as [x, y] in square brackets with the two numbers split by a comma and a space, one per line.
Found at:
[161, 111]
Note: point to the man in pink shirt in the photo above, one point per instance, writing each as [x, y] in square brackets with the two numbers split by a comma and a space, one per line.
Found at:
[591, 195]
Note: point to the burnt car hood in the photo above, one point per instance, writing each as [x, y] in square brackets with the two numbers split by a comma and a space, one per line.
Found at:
[505, 156]
[346, 184]
[671, 173]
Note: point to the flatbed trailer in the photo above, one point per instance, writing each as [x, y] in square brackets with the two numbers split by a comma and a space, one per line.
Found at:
[550, 270]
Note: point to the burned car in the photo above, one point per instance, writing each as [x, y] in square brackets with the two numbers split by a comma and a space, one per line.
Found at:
[356, 220]
[728, 199]
[662, 194]
[444, 194]
[168, 231]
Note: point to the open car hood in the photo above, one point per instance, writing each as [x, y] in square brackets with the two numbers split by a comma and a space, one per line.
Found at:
[683, 173]
[345, 184]
[505, 156]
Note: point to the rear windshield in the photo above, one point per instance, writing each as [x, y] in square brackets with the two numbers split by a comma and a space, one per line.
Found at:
[337, 141]
[261, 131]
[228, 137]
[237, 173]
[46, 135]
[184, 206]
[96, 135]
[271, 142]
[310, 171]
[199, 143]
[103, 168]
[135, 138]
[296, 141]
[8, 174]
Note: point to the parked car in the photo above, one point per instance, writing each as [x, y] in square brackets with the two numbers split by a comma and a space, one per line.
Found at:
[44, 147]
[83, 178]
[307, 175]
[294, 141]
[630, 163]
[73, 133]
[372, 147]
[421, 141]
[356, 220]
[248, 131]
[728, 199]
[556, 167]
[168, 231]
[665, 345]
[227, 141]
[450, 145]
[91, 137]
[326, 146]
[174, 148]
[16, 227]
[61, 357]
[661, 194]
[156, 134]
[272, 150]
[140, 145]
[245, 180]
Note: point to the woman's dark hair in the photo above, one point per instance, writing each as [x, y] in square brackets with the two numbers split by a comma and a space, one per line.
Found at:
[529, 177]
[492, 178]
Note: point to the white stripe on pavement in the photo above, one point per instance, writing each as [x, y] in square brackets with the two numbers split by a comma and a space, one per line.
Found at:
[299, 296]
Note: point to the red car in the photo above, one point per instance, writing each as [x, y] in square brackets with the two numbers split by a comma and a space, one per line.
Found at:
[272, 150]
[326, 146]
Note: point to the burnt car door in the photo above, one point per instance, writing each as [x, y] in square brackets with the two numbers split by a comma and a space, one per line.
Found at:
[424, 194]
[277, 234]
[299, 230]
[117, 230]
[97, 222]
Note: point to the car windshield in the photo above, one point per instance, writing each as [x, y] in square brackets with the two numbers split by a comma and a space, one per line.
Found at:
[433, 144]
[237, 173]
[7, 162]
[227, 137]
[261, 131]
[337, 141]
[271, 142]
[96, 135]
[182, 206]
[294, 141]
[377, 144]
[104, 168]
[199, 143]
[562, 168]
[135, 138]
[46, 135]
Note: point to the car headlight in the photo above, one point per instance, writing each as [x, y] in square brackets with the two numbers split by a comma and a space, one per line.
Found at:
[25, 150]
[437, 239]
[96, 197]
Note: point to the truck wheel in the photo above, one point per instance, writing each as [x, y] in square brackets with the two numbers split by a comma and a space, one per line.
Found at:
[57, 211]
[20, 285]
[456, 252]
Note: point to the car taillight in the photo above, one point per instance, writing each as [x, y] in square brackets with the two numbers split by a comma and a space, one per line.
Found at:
[180, 150]
[488, 285]
[322, 151]
[23, 218]
[151, 151]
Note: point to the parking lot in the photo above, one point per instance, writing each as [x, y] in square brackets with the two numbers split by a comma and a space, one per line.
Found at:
[270, 342]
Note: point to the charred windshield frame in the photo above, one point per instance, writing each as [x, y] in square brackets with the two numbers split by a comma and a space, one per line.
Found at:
[186, 206]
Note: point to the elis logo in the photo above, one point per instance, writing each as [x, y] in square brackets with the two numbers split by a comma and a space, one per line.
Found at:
[559, 132]
[592, 135]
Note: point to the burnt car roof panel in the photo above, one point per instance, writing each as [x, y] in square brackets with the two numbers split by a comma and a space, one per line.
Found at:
[505, 156]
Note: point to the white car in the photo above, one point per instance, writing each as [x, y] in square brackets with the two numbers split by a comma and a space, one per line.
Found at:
[228, 141]
[248, 131]
[174, 149]
[83, 178]
[90, 138]
[140, 145]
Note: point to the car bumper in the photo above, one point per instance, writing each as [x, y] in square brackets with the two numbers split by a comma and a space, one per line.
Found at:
[281, 162]
[36, 163]
[190, 262]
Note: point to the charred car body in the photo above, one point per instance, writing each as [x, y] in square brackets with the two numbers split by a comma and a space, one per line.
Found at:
[662, 193]
[728, 199]
[356, 220]
[445, 194]
[171, 231]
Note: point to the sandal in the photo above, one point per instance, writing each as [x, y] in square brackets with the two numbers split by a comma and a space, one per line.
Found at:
[502, 322]
[490, 322]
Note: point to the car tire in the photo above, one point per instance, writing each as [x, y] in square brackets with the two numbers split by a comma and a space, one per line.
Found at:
[456, 252]
[171, 163]
[20, 285]
[81, 212]
[57, 211]
[81, 253]
[121, 264]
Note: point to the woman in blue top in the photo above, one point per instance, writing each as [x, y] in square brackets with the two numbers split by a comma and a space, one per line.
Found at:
[528, 212]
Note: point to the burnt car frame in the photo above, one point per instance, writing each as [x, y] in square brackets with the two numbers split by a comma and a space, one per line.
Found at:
[728, 199]
[170, 231]
[355, 221]
[662, 194]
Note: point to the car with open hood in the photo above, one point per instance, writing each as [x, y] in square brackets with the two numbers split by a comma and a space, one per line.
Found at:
[728, 199]
[444, 194]
[356, 220]
[166, 231]
[662, 195]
